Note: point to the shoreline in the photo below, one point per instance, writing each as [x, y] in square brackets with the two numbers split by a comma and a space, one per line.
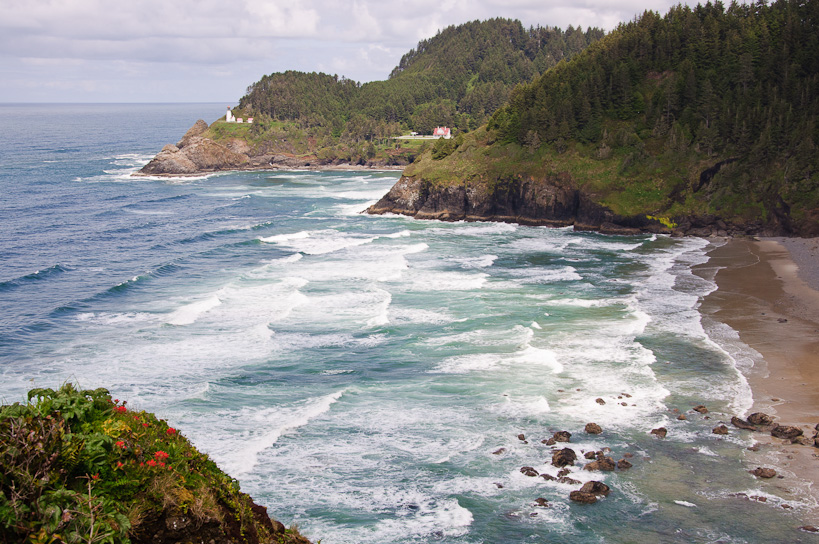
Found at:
[763, 295]
[274, 168]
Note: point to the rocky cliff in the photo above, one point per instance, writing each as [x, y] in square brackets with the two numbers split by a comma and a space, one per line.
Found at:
[199, 153]
[551, 201]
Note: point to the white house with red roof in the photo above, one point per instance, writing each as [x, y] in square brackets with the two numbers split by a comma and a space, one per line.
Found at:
[442, 132]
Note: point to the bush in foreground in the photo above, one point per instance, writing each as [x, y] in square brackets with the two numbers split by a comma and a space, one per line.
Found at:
[79, 466]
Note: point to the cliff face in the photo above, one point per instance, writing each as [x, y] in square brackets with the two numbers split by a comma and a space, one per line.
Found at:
[552, 201]
[195, 154]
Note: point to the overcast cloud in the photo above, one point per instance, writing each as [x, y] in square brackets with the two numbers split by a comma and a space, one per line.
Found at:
[208, 50]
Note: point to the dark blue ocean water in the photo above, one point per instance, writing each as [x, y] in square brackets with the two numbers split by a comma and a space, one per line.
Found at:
[357, 373]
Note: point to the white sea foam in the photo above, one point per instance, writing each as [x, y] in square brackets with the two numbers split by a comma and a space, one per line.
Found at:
[242, 456]
[446, 518]
[190, 312]
[545, 275]
[399, 234]
[279, 238]
[381, 318]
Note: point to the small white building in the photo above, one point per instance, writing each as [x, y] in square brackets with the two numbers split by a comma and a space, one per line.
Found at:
[229, 116]
[442, 132]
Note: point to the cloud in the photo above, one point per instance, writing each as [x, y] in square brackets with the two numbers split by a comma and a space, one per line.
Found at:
[361, 39]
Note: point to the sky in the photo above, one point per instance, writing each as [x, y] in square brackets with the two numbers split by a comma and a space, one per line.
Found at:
[211, 51]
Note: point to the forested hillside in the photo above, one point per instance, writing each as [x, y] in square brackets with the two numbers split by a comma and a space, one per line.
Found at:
[457, 78]
[707, 112]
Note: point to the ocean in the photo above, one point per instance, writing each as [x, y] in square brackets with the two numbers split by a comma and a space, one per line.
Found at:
[367, 377]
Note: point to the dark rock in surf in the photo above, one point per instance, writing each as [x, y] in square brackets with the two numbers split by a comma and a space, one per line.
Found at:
[760, 472]
[581, 497]
[596, 488]
[593, 428]
[622, 464]
[568, 481]
[786, 432]
[602, 463]
[742, 424]
[660, 432]
[564, 457]
[721, 429]
[529, 471]
[760, 419]
[701, 409]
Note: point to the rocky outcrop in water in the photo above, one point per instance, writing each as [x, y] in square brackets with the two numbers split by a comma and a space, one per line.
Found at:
[195, 154]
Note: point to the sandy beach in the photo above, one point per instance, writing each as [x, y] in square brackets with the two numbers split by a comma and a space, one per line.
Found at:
[768, 292]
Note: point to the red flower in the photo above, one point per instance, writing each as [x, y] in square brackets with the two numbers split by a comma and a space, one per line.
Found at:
[121, 409]
[119, 464]
[145, 425]
[161, 464]
[116, 401]
[171, 430]
[161, 455]
[95, 477]
[151, 463]
[120, 444]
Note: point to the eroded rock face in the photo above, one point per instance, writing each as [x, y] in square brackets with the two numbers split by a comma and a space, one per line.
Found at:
[742, 424]
[551, 202]
[197, 129]
[197, 155]
[593, 428]
[721, 429]
[761, 472]
[596, 488]
[602, 463]
[583, 497]
[786, 431]
[758, 418]
[564, 457]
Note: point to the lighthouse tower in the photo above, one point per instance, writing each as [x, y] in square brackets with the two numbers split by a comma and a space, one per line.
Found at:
[229, 116]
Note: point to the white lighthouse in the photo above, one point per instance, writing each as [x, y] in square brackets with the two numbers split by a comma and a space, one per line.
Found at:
[229, 116]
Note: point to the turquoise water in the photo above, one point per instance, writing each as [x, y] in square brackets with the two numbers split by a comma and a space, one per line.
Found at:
[356, 373]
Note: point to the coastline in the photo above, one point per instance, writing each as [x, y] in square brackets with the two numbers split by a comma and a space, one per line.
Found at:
[276, 168]
[773, 305]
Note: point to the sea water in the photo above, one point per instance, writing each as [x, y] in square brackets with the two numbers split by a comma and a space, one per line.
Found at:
[367, 377]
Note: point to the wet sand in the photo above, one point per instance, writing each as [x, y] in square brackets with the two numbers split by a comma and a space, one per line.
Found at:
[775, 310]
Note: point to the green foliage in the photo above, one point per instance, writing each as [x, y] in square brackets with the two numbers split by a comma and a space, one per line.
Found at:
[706, 110]
[457, 78]
[77, 466]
